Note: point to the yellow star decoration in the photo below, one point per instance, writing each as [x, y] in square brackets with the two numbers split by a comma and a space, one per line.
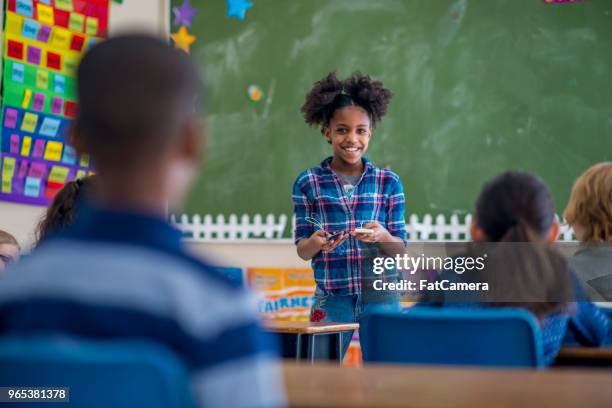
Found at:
[182, 39]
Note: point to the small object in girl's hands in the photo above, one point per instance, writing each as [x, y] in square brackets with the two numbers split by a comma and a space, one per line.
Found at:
[335, 236]
[364, 231]
[328, 235]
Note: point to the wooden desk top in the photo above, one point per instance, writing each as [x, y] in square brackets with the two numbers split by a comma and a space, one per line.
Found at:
[325, 385]
[279, 326]
[589, 353]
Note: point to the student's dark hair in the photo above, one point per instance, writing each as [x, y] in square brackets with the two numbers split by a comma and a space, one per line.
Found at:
[135, 94]
[515, 206]
[330, 94]
[516, 209]
[62, 211]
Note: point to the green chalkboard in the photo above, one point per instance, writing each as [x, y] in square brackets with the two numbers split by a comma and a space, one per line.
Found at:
[480, 86]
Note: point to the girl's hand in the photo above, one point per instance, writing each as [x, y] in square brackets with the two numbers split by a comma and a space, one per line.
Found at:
[333, 243]
[320, 240]
[379, 233]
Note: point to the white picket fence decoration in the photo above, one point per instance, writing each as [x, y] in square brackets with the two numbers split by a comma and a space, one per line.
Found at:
[200, 228]
[566, 233]
[438, 229]
[272, 228]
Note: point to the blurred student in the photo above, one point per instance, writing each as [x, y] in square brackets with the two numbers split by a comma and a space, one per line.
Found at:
[516, 209]
[589, 212]
[62, 211]
[120, 271]
[9, 250]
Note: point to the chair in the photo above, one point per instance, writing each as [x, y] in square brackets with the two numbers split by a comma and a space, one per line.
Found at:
[453, 336]
[606, 309]
[608, 312]
[235, 274]
[109, 373]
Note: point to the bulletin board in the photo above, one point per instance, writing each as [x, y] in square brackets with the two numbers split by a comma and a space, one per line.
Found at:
[43, 41]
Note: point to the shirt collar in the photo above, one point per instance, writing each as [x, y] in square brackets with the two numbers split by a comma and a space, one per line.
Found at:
[326, 164]
[98, 223]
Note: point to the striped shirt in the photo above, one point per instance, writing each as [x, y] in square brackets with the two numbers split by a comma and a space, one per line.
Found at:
[124, 275]
[318, 193]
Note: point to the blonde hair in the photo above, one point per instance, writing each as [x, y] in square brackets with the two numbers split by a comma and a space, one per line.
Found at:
[590, 204]
[6, 238]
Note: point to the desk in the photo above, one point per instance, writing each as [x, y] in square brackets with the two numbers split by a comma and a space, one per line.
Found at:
[327, 385]
[310, 340]
[585, 356]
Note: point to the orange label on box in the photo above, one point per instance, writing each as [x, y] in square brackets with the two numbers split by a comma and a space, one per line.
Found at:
[284, 293]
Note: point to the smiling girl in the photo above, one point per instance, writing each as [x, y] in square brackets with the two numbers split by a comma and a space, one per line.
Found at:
[346, 208]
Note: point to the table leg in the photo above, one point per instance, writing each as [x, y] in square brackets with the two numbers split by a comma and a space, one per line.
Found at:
[311, 348]
[298, 353]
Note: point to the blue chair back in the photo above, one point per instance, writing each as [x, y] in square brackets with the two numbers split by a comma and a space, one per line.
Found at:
[449, 336]
[233, 273]
[608, 312]
[100, 374]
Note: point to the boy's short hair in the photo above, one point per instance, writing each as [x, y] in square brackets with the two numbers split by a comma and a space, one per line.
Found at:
[590, 203]
[135, 94]
[6, 238]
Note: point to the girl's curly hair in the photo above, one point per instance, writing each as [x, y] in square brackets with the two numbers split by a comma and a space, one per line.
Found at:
[330, 94]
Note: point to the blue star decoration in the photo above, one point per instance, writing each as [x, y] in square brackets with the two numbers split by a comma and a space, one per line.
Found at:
[184, 14]
[237, 8]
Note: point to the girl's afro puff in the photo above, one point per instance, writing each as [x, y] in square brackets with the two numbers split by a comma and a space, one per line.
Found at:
[330, 94]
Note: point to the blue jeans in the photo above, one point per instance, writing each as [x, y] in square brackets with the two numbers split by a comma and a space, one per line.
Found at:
[348, 309]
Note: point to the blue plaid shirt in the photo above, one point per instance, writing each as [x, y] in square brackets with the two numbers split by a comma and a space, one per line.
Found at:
[318, 193]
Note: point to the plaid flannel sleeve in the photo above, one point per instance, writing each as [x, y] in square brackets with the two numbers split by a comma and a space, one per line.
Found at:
[302, 208]
[397, 224]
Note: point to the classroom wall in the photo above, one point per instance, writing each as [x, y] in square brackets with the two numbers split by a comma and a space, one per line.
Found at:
[249, 254]
[148, 15]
